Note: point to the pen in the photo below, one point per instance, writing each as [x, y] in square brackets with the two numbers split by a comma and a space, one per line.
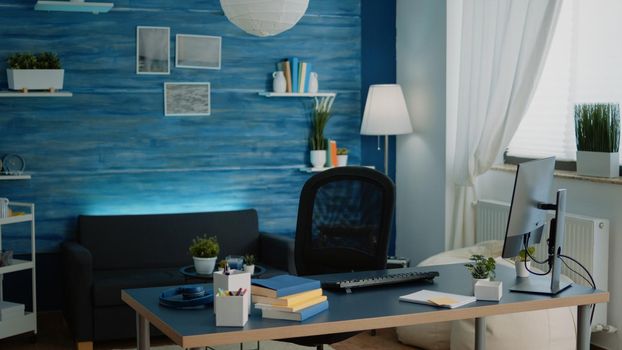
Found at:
[238, 292]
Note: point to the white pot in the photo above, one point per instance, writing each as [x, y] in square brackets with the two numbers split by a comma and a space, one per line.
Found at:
[599, 164]
[204, 266]
[521, 271]
[475, 280]
[35, 79]
[318, 159]
[342, 160]
[249, 268]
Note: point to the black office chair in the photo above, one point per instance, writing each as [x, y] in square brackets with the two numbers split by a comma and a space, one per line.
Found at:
[344, 223]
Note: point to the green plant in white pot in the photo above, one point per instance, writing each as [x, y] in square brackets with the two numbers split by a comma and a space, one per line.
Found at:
[481, 268]
[317, 142]
[342, 157]
[597, 128]
[204, 251]
[27, 71]
[249, 263]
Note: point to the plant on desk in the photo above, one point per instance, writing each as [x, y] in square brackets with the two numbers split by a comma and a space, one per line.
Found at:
[523, 259]
[204, 251]
[317, 142]
[481, 268]
[249, 263]
[342, 156]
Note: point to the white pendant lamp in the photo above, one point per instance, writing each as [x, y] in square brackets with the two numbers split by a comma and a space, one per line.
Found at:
[264, 17]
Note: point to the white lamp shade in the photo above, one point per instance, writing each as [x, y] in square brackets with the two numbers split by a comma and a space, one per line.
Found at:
[385, 111]
[264, 17]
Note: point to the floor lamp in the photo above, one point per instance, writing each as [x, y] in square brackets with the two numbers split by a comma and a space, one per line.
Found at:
[385, 114]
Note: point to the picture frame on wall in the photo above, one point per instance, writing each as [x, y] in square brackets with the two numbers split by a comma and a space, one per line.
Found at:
[198, 51]
[187, 99]
[153, 50]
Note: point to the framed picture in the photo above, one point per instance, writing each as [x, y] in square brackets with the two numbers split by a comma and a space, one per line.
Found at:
[153, 50]
[187, 99]
[198, 51]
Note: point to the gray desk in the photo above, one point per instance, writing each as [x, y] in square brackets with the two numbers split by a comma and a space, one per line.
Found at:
[371, 308]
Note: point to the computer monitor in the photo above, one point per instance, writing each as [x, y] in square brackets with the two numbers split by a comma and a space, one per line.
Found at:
[530, 201]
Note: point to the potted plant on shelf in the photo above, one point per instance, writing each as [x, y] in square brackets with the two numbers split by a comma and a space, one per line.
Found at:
[342, 157]
[597, 128]
[249, 263]
[523, 259]
[34, 72]
[317, 143]
[204, 251]
[481, 268]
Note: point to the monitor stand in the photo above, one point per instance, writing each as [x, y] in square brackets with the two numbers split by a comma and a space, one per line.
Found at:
[549, 284]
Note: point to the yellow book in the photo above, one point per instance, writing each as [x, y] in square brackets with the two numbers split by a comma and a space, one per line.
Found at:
[288, 300]
[293, 308]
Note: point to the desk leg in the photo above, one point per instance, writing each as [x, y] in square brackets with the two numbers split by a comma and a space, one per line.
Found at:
[480, 333]
[584, 329]
[142, 333]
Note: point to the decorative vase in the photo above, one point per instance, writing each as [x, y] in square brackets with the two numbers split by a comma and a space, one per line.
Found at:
[521, 271]
[600, 164]
[35, 79]
[204, 266]
[318, 159]
[342, 160]
[249, 268]
[313, 83]
[278, 83]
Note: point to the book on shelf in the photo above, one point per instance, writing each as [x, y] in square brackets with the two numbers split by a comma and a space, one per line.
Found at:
[300, 315]
[429, 297]
[282, 285]
[302, 69]
[293, 308]
[307, 76]
[333, 152]
[294, 64]
[287, 300]
[287, 71]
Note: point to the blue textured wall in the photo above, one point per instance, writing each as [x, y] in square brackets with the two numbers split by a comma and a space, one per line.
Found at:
[109, 148]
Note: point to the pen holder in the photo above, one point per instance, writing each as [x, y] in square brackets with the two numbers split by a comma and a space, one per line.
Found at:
[235, 280]
[488, 290]
[232, 310]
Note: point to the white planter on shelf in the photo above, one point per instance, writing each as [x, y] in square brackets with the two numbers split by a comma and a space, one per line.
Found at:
[342, 160]
[204, 266]
[35, 79]
[318, 159]
[600, 164]
[521, 271]
[249, 268]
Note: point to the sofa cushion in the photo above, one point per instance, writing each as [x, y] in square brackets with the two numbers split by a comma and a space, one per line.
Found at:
[162, 240]
[107, 284]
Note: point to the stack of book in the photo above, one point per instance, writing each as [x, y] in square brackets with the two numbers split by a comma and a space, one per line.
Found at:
[296, 74]
[287, 297]
[9, 310]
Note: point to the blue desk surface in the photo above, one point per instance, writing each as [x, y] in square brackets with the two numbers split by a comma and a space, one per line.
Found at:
[366, 308]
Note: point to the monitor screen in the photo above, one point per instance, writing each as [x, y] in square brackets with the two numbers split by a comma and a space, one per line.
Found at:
[532, 186]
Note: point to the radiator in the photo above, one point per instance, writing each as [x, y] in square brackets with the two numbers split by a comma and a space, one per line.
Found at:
[586, 239]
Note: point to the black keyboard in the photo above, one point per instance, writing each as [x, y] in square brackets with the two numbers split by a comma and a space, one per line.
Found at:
[377, 278]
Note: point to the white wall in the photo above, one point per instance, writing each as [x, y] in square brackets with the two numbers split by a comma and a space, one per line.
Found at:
[589, 199]
[420, 179]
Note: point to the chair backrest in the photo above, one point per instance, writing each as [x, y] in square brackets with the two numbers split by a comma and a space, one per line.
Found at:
[344, 221]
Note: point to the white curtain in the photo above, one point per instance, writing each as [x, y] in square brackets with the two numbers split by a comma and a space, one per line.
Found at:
[503, 50]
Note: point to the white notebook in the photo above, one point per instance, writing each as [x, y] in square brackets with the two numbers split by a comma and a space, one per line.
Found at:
[429, 297]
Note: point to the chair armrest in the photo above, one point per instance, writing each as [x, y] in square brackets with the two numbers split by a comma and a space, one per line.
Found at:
[77, 286]
[277, 251]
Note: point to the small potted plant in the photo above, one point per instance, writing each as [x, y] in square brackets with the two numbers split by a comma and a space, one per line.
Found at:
[481, 268]
[249, 263]
[204, 251]
[342, 157]
[523, 259]
[27, 71]
[317, 142]
[597, 128]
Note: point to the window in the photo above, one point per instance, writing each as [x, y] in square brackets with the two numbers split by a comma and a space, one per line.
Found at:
[584, 65]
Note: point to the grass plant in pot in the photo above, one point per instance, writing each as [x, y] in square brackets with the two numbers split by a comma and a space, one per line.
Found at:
[317, 142]
[249, 263]
[481, 268]
[523, 259]
[342, 157]
[27, 71]
[597, 128]
[204, 251]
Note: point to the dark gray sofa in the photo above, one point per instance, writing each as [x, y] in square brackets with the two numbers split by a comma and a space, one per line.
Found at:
[131, 251]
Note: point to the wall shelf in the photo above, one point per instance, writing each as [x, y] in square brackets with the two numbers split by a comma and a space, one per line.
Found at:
[298, 94]
[35, 94]
[15, 177]
[319, 170]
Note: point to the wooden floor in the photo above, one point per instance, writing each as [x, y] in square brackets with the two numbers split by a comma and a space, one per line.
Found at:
[54, 335]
